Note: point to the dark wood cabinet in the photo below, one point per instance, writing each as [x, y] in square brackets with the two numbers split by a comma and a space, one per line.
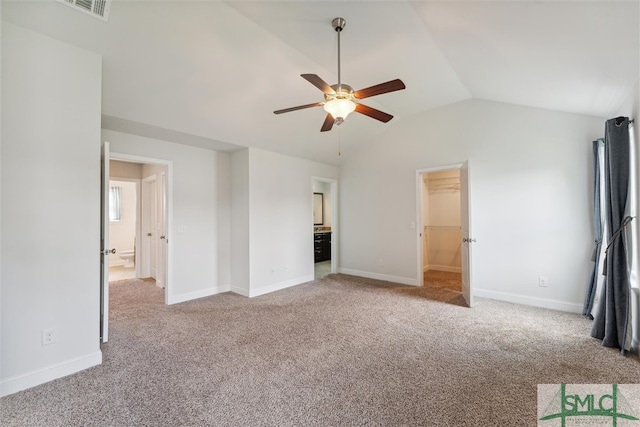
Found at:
[322, 246]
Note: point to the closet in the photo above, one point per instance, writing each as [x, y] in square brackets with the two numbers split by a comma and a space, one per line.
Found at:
[442, 235]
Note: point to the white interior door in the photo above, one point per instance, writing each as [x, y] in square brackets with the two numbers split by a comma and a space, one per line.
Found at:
[145, 229]
[161, 270]
[153, 238]
[149, 226]
[104, 240]
[465, 225]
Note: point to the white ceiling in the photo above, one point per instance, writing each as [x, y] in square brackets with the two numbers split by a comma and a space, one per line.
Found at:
[211, 73]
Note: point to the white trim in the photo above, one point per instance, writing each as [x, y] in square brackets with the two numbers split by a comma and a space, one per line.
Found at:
[279, 286]
[386, 277]
[240, 291]
[21, 382]
[572, 307]
[175, 299]
[271, 288]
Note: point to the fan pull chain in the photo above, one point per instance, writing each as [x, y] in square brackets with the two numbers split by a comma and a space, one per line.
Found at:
[339, 143]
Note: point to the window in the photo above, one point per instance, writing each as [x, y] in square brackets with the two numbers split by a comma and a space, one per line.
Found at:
[115, 210]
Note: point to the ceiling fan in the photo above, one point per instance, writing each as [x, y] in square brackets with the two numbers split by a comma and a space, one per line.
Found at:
[340, 99]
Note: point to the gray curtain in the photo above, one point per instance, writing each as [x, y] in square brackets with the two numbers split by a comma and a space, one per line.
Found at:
[597, 230]
[611, 318]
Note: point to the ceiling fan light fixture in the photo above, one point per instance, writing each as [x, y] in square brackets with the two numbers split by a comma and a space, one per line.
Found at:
[339, 108]
[340, 99]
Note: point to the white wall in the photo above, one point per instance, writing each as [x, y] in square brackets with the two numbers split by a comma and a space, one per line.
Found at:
[537, 224]
[122, 234]
[193, 268]
[118, 169]
[277, 191]
[223, 207]
[240, 231]
[51, 96]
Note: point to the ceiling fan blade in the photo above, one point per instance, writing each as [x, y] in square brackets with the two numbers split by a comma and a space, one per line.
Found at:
[299, 107]
[328, 123]
[390, 86]
[318, 82]
[373, 113]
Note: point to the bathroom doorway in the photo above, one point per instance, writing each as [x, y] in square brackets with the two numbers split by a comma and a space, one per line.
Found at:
[123, 224]
[127, 168]
[138, 233]
[443, 244]
[324, 226]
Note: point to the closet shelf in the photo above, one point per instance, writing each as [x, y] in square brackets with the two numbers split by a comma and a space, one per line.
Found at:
[443, 227]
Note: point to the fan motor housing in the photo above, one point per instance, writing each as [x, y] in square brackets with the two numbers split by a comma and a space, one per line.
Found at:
[342, 91]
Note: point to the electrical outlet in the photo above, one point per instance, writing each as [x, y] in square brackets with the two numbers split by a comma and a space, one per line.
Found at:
[543, 281]
[48, 336]
[380, 263]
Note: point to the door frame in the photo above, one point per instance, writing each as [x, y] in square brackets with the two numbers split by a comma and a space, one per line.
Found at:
[168, 212]
[419, 195]
[333, 183]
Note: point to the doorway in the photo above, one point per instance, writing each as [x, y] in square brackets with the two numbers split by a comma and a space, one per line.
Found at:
[153, 206]
[441, 236]
[324, 226]
[137, 221]
[123, 226]
[443, 244]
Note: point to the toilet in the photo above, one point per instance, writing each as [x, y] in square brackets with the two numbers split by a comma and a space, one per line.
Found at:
[128, 257]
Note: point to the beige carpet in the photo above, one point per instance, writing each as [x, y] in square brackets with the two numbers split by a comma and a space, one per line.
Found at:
[443, 286]
[341, 351]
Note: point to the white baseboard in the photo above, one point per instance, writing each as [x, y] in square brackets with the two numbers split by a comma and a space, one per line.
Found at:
[175, 299]
[572, 307]
[445, 268]
[22, 382]
[250, 293]
[240, 291]
[378, 276]
[279, 286]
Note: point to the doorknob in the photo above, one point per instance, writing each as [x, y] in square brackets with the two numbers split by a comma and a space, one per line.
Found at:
[109, 251]
[148, 234]
[163, 237]
[468, 240]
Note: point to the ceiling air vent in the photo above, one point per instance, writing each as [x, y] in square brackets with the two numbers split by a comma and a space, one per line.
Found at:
[97, 8]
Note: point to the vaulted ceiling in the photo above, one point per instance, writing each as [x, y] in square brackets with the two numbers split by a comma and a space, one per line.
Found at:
[211, 73]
